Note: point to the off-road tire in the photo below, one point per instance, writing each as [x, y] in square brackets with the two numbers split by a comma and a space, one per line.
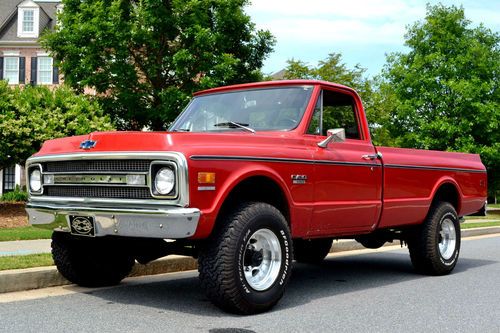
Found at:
[221, 262]
[423, 243]
[311, 251]
[90, 262]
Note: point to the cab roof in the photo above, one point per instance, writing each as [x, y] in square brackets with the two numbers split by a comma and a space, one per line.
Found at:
[280, 83]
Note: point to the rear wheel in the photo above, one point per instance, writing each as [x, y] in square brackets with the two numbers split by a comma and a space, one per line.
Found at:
[311, 251]
[247, 263]
[90, 262]
[435, 246]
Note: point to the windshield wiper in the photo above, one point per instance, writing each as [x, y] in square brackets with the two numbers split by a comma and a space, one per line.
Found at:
[232, 124]
[181, 130]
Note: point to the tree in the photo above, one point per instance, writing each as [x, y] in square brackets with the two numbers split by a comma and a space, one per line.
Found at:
[333, 69]
[31, 115]
[446, 88]
[146, 57]
[297, 69]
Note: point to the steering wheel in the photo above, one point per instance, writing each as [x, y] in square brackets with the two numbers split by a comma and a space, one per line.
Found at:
[287, 122]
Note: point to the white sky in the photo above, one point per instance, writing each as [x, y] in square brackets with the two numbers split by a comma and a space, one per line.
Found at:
[362, 31]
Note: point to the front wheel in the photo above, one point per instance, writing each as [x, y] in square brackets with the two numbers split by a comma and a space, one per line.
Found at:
[247, 263]
[90, 262]
[435, 246]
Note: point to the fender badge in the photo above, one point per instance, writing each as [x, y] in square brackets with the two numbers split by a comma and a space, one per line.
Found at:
[299, 179]
[87, 144]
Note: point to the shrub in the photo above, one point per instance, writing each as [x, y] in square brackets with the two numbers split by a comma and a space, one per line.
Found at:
[31, 115]
[15, 196]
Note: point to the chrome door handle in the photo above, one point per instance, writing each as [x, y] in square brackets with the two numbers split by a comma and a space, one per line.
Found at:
[369, 157]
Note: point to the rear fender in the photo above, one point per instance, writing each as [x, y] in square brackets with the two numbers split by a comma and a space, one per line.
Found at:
[439, 184]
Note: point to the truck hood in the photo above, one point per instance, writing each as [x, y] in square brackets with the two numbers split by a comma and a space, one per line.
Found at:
[186, 143]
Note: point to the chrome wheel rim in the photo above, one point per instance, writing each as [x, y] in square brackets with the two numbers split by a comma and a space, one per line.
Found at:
[262, 259]
[447, 239]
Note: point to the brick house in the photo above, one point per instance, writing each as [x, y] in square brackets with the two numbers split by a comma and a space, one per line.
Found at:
[22, 60]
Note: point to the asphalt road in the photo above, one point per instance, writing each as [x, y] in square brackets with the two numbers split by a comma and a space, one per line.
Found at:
[360, 291]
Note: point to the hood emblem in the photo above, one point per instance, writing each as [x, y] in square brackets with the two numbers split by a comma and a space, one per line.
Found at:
[87, 144]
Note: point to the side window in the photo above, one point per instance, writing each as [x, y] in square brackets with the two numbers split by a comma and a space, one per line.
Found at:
[315, 124]
[338, 111]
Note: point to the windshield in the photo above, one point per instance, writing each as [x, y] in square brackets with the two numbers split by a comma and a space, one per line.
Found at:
[269, 109]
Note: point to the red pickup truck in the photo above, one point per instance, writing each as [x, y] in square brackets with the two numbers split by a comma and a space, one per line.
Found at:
[247, 179]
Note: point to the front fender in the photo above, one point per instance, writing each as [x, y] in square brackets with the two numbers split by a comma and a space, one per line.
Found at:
[230, 177]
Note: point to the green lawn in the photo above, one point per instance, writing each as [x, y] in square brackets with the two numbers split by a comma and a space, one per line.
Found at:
[489, 218]
[493, 205]
[479, 224]
[31, 260]
[23, 233]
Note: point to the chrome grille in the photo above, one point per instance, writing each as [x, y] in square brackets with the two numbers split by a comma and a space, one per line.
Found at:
[98, 166]
[67, 178]
[116, 192]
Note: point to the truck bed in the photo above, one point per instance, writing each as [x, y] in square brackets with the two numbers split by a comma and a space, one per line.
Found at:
[412, 176]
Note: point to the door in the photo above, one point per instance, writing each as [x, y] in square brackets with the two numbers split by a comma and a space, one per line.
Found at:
[348, 175]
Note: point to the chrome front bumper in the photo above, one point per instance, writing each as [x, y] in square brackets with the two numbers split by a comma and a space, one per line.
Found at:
[171, 222]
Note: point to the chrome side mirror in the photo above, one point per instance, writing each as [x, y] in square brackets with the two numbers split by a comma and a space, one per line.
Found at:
[333, 135]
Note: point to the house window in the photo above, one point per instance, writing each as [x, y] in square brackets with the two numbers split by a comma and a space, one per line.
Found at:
[28, 20]
[44, 74]
[11, 69]
[9, 179]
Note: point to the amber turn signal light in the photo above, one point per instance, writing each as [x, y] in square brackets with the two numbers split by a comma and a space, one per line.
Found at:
[206, 177]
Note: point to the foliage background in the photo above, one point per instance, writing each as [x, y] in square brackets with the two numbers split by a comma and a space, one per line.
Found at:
[444, 93]
[145, 58]
[32, 115]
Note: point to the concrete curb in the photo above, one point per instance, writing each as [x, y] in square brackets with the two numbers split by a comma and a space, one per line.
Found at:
[480, 231]
[30, 278]
[43, 277]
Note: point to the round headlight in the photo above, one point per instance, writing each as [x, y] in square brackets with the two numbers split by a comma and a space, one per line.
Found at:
[164, 181]
[35, 180]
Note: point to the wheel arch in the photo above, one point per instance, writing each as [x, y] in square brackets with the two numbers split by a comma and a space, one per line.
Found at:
[448, 190]
[262, 187]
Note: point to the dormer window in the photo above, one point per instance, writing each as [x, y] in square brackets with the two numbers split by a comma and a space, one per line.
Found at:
[28, 18]
[28, 21]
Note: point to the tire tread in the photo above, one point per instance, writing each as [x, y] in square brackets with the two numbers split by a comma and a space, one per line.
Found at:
[422, 247]
[94, 265]
[216, 260]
